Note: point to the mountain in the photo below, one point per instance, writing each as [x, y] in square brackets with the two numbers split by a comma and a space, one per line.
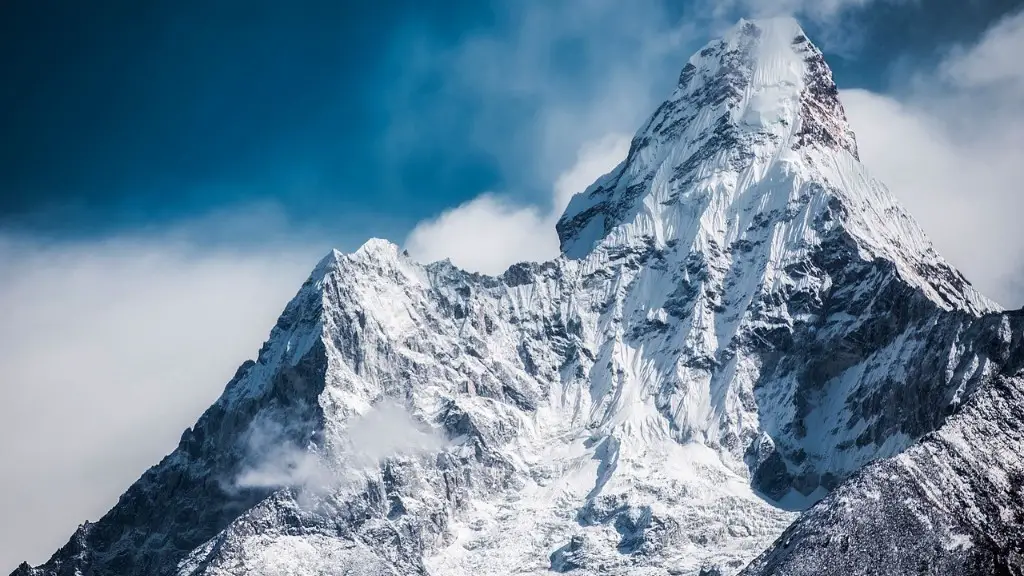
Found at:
[748, 357]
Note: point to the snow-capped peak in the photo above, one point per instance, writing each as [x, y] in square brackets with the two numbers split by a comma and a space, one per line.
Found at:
[378, 248]
[752, 142]
[743, 103]
[788, 81]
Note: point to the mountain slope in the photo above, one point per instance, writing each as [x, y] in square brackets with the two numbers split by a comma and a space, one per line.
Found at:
[951, 504]
[742, 319]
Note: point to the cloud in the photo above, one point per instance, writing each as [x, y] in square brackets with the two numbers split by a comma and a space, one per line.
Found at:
[274, 462]
[109, 348]
[550, 75]
[486, 234]
[490, 233]
[527, 94]
[993, 62]
[949, 145]
[818, 10]
[386, 430]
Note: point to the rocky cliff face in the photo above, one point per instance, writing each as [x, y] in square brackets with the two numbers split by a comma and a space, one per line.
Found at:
[742, 322]
[950, 504]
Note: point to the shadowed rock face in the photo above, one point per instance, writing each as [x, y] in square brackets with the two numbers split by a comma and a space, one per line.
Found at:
[951, 504]
[741, 323]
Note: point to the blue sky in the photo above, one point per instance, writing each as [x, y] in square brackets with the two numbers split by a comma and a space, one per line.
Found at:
[170, 171]
[356, 119]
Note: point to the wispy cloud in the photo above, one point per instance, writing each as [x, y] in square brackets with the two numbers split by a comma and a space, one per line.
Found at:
[822, 11]
[529, 93]
[387, 430]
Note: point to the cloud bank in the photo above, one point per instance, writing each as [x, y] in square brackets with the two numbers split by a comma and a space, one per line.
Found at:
[108, 350]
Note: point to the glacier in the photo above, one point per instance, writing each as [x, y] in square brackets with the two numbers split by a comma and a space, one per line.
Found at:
[748, 357]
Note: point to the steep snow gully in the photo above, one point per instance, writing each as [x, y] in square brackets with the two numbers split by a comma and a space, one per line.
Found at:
[748, 358]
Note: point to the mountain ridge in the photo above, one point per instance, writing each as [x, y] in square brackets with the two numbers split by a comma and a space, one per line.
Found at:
[742, 319]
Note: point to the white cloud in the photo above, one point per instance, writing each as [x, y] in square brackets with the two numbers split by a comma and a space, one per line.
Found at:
[490, 233]
[486, 234]
[824, 12]
[108, 350]
[386, 430]
[833, 23]
[994, 61]
[950, 148]
[275, 462]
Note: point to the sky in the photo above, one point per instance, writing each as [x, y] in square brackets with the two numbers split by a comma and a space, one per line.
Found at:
[171, 171]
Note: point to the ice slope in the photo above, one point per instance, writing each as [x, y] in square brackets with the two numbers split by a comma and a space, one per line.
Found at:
[742, 318]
